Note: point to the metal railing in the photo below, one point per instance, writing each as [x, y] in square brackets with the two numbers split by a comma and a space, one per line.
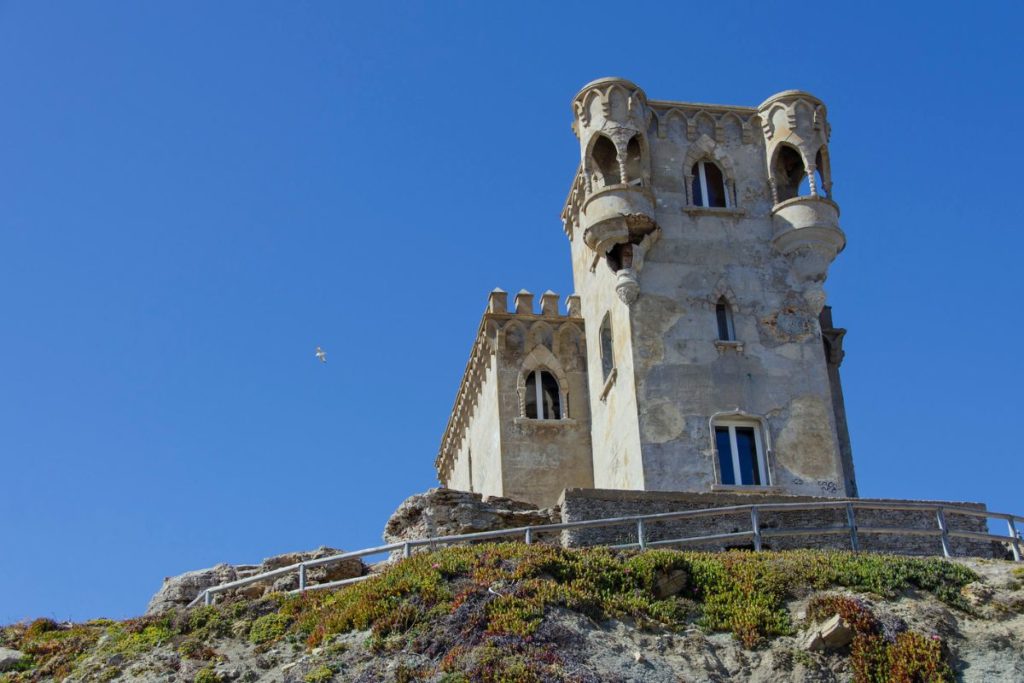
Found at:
[756, 535]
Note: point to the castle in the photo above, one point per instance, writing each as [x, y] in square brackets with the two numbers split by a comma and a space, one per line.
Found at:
[697, 354]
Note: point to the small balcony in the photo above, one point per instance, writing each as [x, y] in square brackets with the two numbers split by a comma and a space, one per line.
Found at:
[609, 215]
[807, 221]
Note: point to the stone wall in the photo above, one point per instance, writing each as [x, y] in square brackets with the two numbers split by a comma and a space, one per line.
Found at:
[583, 504]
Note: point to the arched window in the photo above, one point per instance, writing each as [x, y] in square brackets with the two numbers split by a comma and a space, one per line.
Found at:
[741, 457]
[708, 185]
[607, 360]
[789, 173]
[723, 314]
[606, 161]
[542, 396]
[634, 167]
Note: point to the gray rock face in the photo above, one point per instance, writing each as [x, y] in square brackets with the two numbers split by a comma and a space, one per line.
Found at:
[447, 512]
[9, 658]
[179, 591]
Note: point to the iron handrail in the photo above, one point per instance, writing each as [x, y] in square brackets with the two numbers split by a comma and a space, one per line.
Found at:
[529, 533]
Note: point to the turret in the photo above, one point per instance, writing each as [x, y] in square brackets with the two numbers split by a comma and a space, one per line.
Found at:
[805, 218]
[611, 119]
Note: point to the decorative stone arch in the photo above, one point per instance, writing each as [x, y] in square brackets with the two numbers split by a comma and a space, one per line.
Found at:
[509, 333]
[568, 339]
[723, 291]
[641, 171]
[541, 358]
[706, 149]
[768, 119]
[541, 334]
[693, 124]
[619, 137]
[654, 125]
[736, 414]
[669, 118]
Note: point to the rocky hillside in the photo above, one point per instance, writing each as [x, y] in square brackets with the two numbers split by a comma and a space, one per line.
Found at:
[511, 613]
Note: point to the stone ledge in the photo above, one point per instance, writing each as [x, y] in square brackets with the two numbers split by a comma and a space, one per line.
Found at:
[727, 211]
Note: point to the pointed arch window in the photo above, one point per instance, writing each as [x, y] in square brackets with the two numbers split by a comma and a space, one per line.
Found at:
[543, 400]
[606, 161]
[709, 185]
[789, 173]
[723, 315]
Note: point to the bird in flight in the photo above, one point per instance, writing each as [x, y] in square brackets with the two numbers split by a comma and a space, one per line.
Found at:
[321, 355]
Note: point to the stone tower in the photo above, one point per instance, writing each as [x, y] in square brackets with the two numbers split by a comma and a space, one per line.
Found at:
[697, 257]
[701, 237]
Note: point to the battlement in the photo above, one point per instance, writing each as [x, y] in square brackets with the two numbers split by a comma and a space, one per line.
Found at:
[497, 303]
[514, 331]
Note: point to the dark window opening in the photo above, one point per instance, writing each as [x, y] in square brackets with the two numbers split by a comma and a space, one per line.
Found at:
[723, 313]
[708, 185]
[789, 173]
[607, 361]
[606, 159]
[620, 256]
[542, 394]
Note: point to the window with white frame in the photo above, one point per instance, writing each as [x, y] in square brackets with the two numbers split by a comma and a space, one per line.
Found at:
[709, 185]
[543, 401]
[741, 457]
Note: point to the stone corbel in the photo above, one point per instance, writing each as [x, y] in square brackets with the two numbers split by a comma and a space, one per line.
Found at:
[627, 284]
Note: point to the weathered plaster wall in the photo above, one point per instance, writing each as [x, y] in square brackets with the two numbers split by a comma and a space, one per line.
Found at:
[617, 460]
[674, 374]
[777, 371]
[477, 465]
[541, 457]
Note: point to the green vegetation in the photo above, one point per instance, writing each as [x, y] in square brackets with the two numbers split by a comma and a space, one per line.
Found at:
[268, 628]
[320, 674]
[207, 675]
[480, 611]
[906, 657]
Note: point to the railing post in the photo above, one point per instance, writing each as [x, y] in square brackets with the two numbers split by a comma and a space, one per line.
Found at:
[755, 524]
[302, 577]
[941, 518]
[207, 598]
[529, 536]
[406, 551]
[641, 536]
[851, 521]
[1014, 540]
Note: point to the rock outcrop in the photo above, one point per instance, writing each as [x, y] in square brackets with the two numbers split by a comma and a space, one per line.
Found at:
[9, 658]
[179, 591]
[447, 512]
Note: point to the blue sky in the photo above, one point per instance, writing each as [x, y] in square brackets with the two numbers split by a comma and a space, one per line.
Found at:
[193, 196]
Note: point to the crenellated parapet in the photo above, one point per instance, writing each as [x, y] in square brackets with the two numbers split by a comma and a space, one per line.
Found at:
[516, 337]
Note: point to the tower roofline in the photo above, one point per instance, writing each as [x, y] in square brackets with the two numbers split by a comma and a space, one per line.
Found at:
[605, 80]
[785, 94]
